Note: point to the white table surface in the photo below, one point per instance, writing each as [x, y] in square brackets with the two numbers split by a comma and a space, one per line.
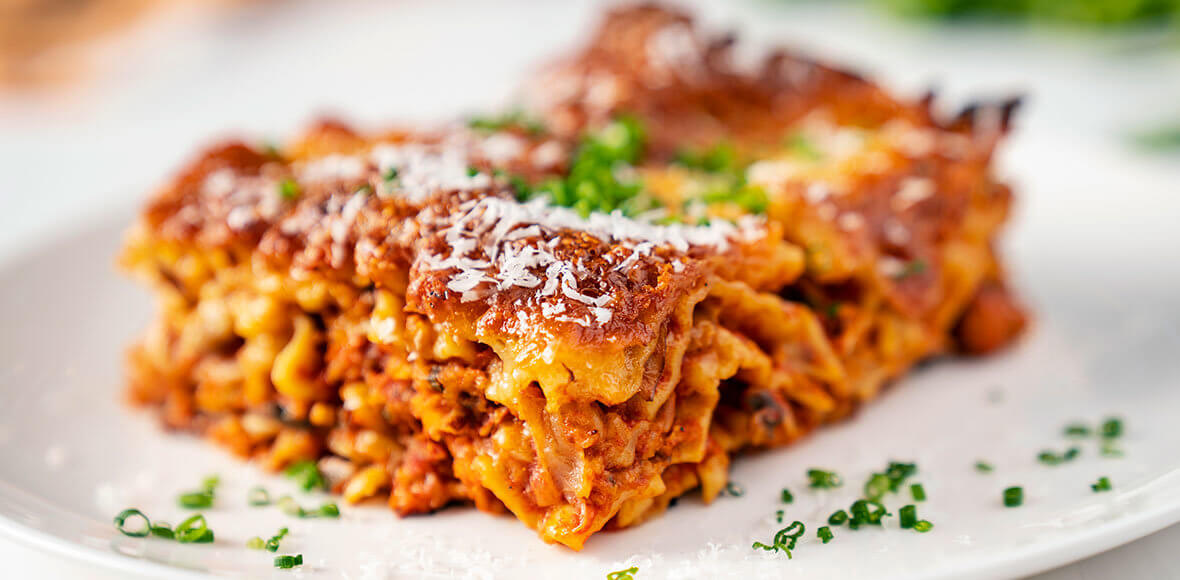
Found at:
[191, 75]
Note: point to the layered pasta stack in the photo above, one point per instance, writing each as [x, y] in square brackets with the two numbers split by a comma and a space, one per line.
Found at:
[577, 312]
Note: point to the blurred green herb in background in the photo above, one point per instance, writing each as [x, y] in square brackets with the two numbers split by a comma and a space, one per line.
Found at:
[1089, 12]
[1165, 137]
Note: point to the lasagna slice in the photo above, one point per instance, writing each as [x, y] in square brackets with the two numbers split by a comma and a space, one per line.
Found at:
[580, 312]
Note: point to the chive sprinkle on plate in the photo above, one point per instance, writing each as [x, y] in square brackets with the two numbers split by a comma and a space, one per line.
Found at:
[626, 574]
[1014, 496]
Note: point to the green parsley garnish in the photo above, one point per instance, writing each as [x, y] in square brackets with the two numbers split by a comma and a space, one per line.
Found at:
[306, 475]
[822, 479]
[825, 534]
[288, 189]
[784, 540]
[1013, 496]
[720, 158]
[593, 183]
[288, 562]
[786, 496]
[1103, 484]
[628, 574]
[138, 531]
[918, 492]
[752, 198]
[983, 467]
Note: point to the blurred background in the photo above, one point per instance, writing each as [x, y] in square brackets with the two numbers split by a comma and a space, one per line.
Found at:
[101, 99]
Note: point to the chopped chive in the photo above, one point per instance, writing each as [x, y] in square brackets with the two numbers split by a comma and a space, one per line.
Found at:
[923, 526]
[137, 531]
[822, 479]
[255, 543]
[1112, 428]
[918, 492]
[778, 516]
[1108, 449]
[288, 562]
[628, 574]
[288, 189]
[195, 500]
[390, 174]
[1077, 430]
[734, 489]
[289, 506]
[825, 534]
[1013, 496]
[877, 486]
[163, 530]
[258, 496]
[306, 475]
[784, 540]
[1103, 484]
[272, 545]
[861, 514]
[983, 467]
[786, 496]
[837, 518]
[1051, 458]
[194, 530]
[210, 482]
[908, 516]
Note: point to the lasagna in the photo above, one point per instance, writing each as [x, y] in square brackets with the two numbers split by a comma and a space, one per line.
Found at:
[581, 310]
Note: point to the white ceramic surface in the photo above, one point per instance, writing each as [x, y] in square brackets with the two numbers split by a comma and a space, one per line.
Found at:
[1094, 246]
[1090, 248]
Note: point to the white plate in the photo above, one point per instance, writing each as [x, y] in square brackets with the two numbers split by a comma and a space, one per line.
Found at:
[1093, 247]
